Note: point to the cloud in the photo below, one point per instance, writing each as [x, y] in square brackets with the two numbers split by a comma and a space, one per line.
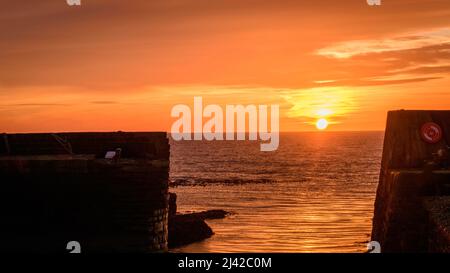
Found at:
[427, 69]
[34, 105]
[389, 67]
[408, 41]
[115, 45]
[378, 81]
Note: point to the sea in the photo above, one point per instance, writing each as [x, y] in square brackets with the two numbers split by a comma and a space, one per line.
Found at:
[314, 194]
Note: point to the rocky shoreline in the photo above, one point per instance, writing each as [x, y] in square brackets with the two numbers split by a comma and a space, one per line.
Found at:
[189, 228]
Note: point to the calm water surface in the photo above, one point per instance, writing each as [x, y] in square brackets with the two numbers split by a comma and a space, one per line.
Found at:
[314, 194]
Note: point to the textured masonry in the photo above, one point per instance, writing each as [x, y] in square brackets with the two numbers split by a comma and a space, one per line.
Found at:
[58, 188]
[411, 214]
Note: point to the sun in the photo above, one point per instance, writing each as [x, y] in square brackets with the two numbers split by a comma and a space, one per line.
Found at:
[322, 124]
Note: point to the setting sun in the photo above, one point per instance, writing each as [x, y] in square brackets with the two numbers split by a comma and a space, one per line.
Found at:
[322, 124]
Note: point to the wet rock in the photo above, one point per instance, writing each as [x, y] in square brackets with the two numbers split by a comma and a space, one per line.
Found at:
[191, 227]
[211, 214]
[172, 204]
[226, 182]
[186, 229]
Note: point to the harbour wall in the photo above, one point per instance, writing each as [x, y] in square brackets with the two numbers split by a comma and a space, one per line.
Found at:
[58, 188]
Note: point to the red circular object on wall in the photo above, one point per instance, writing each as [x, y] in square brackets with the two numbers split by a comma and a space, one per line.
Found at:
[431, 132]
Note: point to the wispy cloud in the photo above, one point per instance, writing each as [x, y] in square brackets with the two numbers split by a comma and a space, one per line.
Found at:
[404, 42]
[35, 104]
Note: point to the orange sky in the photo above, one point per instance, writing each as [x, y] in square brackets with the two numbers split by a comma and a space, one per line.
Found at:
[122, 65]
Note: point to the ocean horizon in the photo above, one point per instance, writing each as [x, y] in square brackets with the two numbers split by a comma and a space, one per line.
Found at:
[314, 194]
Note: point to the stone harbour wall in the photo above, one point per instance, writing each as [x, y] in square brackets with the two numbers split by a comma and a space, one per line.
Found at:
[52, 197]
[438, 211]
[412, 173]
